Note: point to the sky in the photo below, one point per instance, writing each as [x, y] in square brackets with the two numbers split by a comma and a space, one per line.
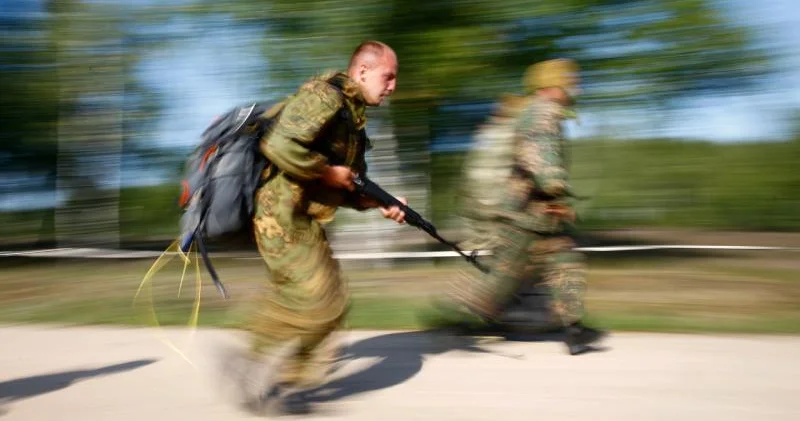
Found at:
[754, 118]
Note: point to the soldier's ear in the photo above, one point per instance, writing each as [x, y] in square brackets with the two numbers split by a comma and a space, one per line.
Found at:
[362, 72]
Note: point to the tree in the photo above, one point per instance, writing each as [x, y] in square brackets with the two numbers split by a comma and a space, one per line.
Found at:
[634, 54]
[72, 107]
[642, 51]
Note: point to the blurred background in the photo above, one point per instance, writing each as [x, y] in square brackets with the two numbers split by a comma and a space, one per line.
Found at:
[688, 133]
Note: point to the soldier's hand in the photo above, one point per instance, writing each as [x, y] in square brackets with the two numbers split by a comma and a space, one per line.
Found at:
[561, 211]
[394, 212]
[339, 176]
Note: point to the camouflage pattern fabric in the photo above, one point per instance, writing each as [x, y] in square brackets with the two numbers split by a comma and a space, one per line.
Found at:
[540, 178]
[519, 256]
[306, 296]
[527, 242]
[487, 168]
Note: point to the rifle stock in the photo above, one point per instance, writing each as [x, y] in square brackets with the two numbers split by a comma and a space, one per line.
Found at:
[370, 189]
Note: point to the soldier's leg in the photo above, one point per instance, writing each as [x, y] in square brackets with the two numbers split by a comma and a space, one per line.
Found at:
[306, 298]
[564, 272]
[488, 294]
[305, 301]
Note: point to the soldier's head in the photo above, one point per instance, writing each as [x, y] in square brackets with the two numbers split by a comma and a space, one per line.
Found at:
[373, 66]
[557, 79]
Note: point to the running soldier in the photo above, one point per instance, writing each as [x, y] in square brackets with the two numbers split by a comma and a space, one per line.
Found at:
[530, 223]
[316, 148]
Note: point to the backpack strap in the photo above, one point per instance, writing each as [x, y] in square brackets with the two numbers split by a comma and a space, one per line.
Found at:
[337, 81]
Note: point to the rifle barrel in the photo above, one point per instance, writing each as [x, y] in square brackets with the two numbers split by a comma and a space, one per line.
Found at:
[369, 188]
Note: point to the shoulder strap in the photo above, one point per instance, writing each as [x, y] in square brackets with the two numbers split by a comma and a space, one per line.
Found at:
[337, 81]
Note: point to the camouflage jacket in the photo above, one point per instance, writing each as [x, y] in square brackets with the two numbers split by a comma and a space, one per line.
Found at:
[487, 168]
[311, 133]
[539, 176]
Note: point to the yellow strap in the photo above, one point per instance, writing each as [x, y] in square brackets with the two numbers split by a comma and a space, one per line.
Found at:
[161, 261]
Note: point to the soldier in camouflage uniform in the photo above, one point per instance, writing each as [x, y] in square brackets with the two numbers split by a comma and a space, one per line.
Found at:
[531, 221]
[314, 154]
[486, 170]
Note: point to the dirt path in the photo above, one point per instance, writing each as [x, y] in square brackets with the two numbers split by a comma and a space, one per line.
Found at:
[92, 374]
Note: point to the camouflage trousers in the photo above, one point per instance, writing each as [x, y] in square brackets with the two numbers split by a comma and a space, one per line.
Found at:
[519, 256]
[306, 298]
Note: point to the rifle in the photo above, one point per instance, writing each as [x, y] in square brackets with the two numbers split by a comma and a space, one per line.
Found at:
[368, 188]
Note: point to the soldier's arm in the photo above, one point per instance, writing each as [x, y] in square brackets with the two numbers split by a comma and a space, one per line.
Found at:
[355, 200]
[288, 145]
[541, 158]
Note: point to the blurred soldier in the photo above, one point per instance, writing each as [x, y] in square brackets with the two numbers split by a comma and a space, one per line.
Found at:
[486, 169]
[527, 226]
[315, 153]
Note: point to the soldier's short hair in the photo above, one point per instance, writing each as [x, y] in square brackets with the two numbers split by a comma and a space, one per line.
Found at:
[366, 48]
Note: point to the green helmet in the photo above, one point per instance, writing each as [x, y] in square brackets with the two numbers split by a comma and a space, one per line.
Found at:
[560, 72]
[557, 73]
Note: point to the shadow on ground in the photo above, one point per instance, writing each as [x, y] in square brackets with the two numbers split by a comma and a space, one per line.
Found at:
[401, 356]
[28, 387]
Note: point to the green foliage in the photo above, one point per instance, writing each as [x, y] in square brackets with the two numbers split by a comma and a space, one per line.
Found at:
[647, 183]
[62, 83]
[148, 213]
[632, 50]
[27, 89]
[642, 54]
[668, 183]
[67, 76]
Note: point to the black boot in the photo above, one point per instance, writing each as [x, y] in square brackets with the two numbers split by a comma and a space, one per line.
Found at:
[579, 337]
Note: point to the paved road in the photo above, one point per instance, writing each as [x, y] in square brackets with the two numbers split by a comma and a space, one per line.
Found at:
[92, 374]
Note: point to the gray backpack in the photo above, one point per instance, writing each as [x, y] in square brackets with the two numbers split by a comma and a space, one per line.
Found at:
[222, 175]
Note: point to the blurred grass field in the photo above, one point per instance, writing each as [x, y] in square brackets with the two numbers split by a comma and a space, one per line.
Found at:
[666, 290]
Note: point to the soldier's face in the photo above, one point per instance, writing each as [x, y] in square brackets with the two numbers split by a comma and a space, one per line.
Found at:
[378, 81]
[573, 89]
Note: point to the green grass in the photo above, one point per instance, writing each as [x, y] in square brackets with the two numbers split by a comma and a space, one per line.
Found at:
[738, 292]
[375, 313]
[620, 321]
[366, 313]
